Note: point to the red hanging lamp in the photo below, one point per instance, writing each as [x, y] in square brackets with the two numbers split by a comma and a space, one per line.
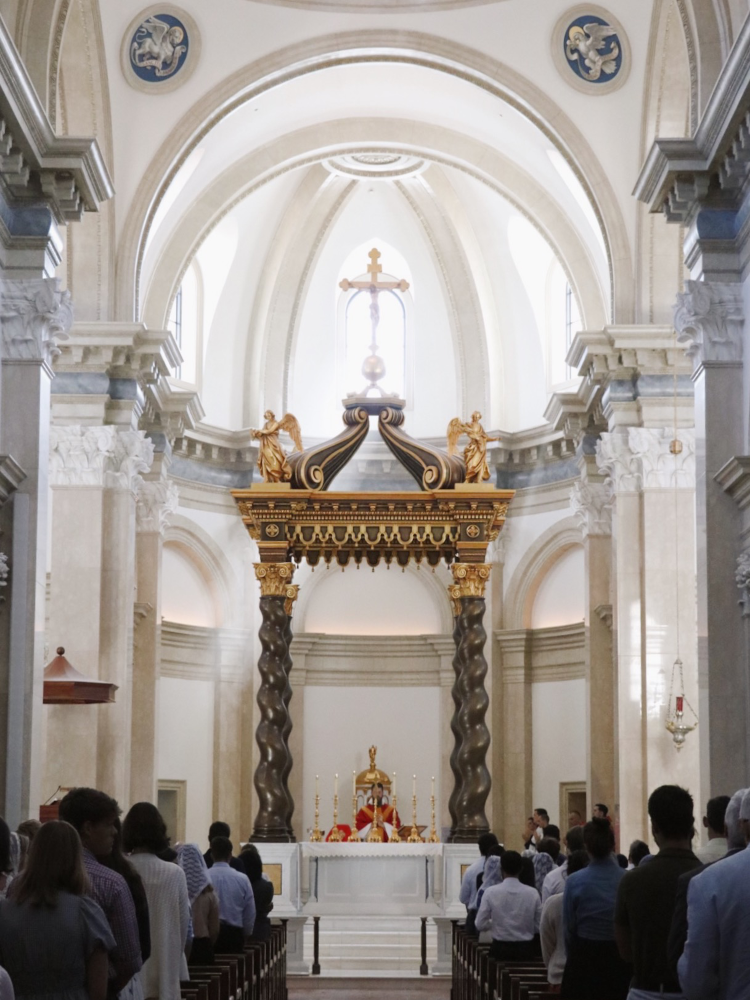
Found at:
[64, 685]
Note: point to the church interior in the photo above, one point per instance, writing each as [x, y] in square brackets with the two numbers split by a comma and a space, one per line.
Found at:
[373, 376]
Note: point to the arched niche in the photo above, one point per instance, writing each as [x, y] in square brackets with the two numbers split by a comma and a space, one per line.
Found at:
[537, 561]
[559, 593]
[210, 583]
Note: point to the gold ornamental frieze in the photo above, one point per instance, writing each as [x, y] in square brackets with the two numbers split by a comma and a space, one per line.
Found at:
[449, 525]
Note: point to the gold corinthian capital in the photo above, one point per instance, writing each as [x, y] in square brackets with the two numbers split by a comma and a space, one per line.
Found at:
[454, 595]
[276, 579]
[470, 580]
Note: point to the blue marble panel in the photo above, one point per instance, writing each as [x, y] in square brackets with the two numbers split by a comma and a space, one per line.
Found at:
[540, 475]
[211, 475]
[80, 384]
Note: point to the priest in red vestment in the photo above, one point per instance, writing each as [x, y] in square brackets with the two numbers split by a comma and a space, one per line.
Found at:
[386, 817]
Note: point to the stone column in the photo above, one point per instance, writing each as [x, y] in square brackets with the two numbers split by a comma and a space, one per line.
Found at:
[35, 314]
[516, 733]
[709, 321]
[453, 591]
[273, 821]
[157, 501]
[592, 505]
[94, 472]
[655, 609]
[471, 819]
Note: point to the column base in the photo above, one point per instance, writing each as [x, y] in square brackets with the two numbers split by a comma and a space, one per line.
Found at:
[469, 836]
[273, 835]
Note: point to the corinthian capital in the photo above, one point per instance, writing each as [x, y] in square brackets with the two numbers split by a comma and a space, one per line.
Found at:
[157, 501]
[644, 458]
[276, 581]
[34, 315]
[592, 507]
[709, 319]
[98, 456]
[470, 579]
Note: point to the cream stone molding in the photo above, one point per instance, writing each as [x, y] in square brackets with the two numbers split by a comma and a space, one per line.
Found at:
[195, 652]
[158, 499]
[98, 456]
[605, 612]
[34, 315]
[590, 54]
[68, 174]
[372, 660]
[154, 43]
[122, 350]
[709, 319]
[378, 6]
[592, 508]
[638, 458]
[742, 578]
[11, 477]
[344, 47]
[207, 443]
[543, 654]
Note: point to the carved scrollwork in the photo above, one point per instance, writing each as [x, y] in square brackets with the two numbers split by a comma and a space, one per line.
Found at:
[274, 578]
[742, 578]
[432, 468]
[709, 318]
[316, 468]
[470, 580]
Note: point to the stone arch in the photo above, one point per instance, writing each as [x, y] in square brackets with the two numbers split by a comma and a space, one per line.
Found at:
[414, 48]
[533, 567]
[213, 566]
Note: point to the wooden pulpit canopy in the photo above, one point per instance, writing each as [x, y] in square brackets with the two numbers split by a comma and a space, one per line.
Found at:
[64, 685]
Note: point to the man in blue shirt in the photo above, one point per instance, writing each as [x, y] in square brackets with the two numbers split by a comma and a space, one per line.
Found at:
[469, 888]
[236, 900]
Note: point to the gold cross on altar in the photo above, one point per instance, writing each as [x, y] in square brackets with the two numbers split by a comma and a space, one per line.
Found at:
[373, 284]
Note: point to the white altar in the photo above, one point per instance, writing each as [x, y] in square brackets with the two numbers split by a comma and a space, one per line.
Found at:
[367, 883]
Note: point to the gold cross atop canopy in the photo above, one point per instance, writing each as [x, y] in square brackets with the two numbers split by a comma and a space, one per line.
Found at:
[373, 367]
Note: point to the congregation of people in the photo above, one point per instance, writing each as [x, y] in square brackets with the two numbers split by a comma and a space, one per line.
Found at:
[92, 908]
[672, 922]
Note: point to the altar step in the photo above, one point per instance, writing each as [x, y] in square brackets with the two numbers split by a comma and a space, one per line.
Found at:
[385, 945]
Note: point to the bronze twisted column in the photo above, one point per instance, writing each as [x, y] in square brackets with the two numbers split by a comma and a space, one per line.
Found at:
[290, 597]
[271, 822]
[471, 758]
[456, 695]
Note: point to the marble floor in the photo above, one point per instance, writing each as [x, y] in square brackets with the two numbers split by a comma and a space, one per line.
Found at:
[367, 989]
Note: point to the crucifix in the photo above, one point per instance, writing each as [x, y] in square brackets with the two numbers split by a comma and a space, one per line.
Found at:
[373, 367]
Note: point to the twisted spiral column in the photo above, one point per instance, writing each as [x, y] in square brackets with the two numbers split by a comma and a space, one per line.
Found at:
[475, 781]
[275, 804]
[456, 695]
[291, 596]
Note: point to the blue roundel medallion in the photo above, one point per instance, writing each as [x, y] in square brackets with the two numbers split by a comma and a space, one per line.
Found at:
[593, 49]
[159, 47]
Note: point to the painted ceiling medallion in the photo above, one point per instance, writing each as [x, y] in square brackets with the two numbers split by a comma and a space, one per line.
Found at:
[591, 50]
[375, 163]
[160, 49]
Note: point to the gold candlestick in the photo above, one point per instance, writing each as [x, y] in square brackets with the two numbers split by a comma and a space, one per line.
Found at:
[433, 838]
[354, 836]
[335, 835]
[316, 836]
[414, 837]
[394, 838]
[374, 836]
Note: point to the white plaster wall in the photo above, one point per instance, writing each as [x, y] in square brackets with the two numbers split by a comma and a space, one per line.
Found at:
[521, 532]
[558, 713]
[186, 747]
[185, 594]
[559, 600]
[342, 722]
[386, 602]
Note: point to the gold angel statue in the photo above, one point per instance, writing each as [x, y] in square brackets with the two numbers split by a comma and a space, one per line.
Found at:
[475, 452]
[272, 461]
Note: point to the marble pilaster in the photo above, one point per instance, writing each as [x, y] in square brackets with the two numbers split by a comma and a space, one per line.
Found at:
[654, 609]
[592, 505]
[36, 314]
[709, 320]
[157, 501]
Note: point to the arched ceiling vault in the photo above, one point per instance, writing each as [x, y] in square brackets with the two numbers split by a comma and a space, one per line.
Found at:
[376, 48]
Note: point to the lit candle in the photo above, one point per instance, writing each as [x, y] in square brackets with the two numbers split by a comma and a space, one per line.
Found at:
[394, 784]
[414, 785]
[433, 787]
[336, 784]
[316, 784]
[354, 784]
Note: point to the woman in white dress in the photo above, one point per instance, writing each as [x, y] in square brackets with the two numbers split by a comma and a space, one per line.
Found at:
[144, 834]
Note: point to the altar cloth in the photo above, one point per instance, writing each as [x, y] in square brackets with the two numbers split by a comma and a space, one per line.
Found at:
[364, 850]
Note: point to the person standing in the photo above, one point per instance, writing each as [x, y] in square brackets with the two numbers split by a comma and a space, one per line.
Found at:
[262, 891]
[551, 935]
[204, 904]
[144, 835]
[54, 939]
[716, 962]
[236, 900]
[94, 815]
[713, 821]
[555, 881]
[593, 968]
[469, 888]
[646, 896]
[512, 912]
[220, 829]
